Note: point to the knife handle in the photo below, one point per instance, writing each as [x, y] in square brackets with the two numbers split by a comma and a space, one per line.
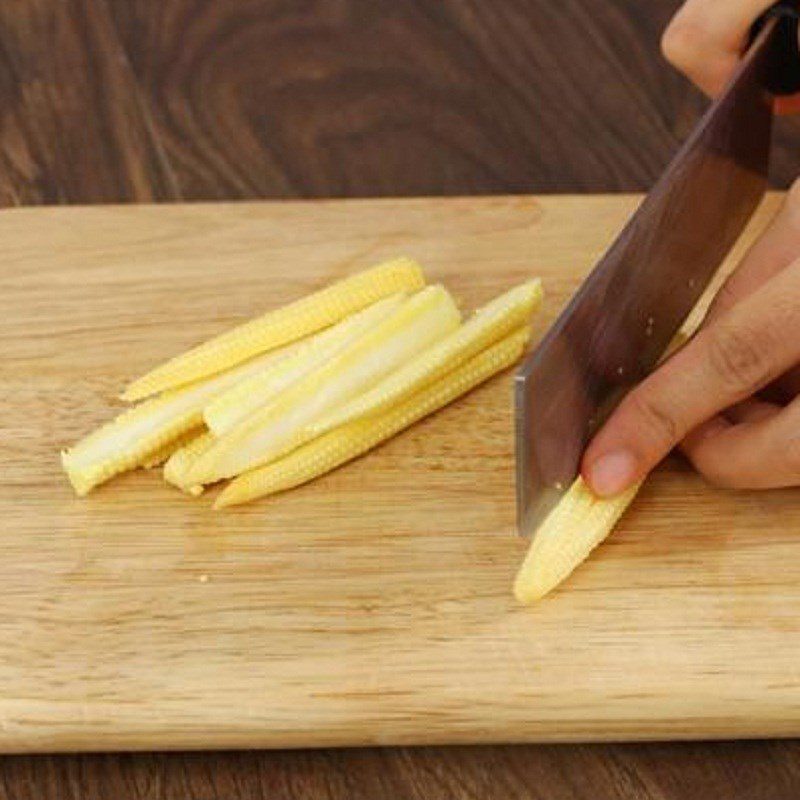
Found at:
[784, 69]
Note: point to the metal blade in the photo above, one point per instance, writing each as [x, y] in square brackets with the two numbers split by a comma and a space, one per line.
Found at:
[621, 320]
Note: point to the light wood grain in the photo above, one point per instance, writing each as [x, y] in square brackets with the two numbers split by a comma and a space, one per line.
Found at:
[374, 605]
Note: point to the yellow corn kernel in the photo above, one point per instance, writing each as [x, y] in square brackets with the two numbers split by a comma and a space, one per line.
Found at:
[486, 326]
[357, 437]
[281, 326]
[161, 456]
[137, 435]
[247, 397]
[284, 423]
[179, 462]
[579, 522]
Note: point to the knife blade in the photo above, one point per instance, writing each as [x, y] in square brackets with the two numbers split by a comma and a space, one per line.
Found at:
[623, 317]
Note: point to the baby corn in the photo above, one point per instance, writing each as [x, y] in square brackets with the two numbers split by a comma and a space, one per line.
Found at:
[163, 454]
[579, 522]
[234, 406]
[486, 326]
[284, 423]
[179, 462]
[281, 326]
[138, 435]
[357, 437]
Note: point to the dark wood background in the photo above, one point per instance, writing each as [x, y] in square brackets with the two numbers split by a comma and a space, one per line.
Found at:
[140, 100]
[161, 100]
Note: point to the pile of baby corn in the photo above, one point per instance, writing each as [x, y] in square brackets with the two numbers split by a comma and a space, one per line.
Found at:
[302, 389]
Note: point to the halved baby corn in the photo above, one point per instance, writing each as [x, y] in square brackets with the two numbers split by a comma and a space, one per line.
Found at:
[487, 325]
[244, 399]
[178, 464]
[357, 437]
[283, 424]
[281, 326]
[357, 362]
[138, 435]
[579, 522]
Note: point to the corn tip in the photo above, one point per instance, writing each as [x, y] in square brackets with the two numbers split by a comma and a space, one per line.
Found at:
[530, 587]
[224, 500]
[79, 485]
[523, 592]
[574, 528]
[198, 472]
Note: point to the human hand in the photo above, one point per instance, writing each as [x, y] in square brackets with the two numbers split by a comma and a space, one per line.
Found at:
[705, 41]
[731, 396]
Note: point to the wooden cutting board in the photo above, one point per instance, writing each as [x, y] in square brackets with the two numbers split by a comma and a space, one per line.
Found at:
[372, 606]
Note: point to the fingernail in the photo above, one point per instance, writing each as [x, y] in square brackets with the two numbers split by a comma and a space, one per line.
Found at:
[612, 473]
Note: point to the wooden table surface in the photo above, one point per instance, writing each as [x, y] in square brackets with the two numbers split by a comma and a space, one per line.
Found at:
[139, 100]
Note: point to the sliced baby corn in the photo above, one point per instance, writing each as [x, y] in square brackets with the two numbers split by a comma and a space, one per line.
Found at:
[357, 437]
[136, 436]
[234, 406]
[579, 522]
[284, 423]
[487, 325]
[281, 326]
[178, 464]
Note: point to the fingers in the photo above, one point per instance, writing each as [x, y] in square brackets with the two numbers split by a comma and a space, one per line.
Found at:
[705, 39]
[752, 410]
[727, 362]
[762, 452]
[772, 252]
[747, 411]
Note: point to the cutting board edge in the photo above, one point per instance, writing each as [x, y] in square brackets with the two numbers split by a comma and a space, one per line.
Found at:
[85, 741]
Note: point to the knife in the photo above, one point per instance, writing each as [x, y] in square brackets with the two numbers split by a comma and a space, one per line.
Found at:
[615, 328]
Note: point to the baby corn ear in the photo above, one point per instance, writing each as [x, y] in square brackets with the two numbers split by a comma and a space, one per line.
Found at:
[181, 460]
[281, 326]
[244, 399]
[573, 529]
[128, 441]
[487, 325]
[163, 454]
[355, 438]
[579, 522]
[139, 435]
